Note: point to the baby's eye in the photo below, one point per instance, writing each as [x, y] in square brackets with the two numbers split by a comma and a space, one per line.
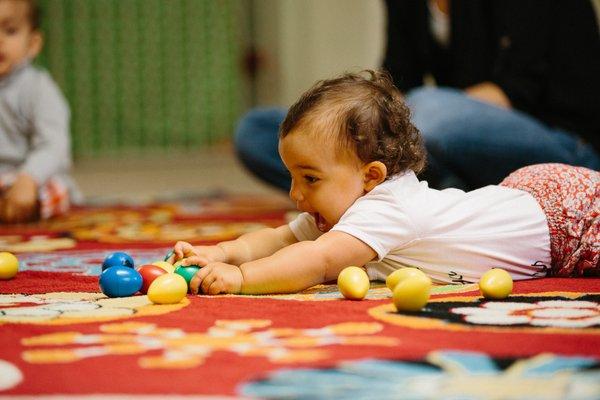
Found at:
[310, 178]
[11, 30]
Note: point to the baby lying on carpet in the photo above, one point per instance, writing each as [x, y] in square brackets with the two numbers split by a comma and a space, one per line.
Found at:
[353, 155]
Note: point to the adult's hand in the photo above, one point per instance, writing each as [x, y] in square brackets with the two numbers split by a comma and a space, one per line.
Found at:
[489, 92]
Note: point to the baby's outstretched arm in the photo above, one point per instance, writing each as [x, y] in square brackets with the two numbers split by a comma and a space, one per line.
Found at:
[248, 247]
[304, 264]
[255, 245]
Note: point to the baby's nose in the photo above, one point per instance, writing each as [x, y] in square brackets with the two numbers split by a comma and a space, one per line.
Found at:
[295, 194]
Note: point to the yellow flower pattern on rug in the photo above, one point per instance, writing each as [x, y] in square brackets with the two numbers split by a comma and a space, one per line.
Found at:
[170, 221]
[181, 349]
[38, 243]
[132, 227]
[62, 308]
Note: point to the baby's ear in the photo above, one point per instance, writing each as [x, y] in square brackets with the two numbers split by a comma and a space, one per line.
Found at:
[374, 172]
[35, 44]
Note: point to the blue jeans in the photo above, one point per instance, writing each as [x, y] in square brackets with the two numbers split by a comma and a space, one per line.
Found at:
[256, 143]
[470, 144]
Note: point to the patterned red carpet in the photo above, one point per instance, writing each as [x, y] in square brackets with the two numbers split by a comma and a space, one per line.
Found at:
[59, 336]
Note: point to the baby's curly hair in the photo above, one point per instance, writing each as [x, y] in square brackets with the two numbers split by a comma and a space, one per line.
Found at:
[364, 112]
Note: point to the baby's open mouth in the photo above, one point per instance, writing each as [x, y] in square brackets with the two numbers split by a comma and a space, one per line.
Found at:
[321, 223]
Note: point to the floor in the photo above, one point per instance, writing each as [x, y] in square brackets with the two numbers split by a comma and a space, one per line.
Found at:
[141, 178]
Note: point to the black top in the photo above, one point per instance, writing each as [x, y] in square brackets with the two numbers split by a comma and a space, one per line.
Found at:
[545, 55]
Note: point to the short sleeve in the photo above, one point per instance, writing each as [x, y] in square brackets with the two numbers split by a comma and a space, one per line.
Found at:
[380, 221]
[304, 227]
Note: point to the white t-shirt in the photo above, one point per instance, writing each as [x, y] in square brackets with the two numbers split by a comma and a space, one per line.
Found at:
[451, 235]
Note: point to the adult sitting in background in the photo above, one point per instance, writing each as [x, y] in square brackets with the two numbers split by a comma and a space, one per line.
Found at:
[517, 83]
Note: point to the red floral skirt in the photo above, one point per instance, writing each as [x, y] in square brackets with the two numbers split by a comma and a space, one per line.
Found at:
[570, 198]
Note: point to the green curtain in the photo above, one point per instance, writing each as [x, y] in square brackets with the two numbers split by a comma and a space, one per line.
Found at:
[147, 74]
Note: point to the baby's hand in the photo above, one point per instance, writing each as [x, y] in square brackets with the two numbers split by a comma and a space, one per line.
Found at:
[196, 255]
[217, 277]
[19, 203]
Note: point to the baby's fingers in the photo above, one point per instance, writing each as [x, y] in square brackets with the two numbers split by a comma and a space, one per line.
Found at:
[216, 287]
[208, 280]
[195, 260]
[181, 249]
[197, 279]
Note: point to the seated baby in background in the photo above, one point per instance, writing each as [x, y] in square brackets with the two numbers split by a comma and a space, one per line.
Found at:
[34, 137]
[353, 156]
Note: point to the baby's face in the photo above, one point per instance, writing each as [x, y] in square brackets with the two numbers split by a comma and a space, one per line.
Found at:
[323, 183]
[17, 40]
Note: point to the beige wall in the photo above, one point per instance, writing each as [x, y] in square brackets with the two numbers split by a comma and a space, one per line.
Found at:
[302, 41]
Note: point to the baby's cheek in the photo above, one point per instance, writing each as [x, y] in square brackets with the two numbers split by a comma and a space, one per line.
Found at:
[336, 216]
